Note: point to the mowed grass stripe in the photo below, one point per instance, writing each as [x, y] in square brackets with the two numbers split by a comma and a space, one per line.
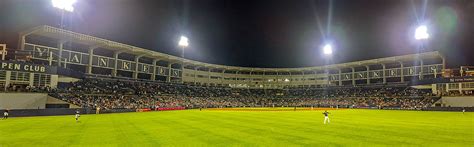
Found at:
[206, 135]
[247, 132]
[244, 128]
[328, 131]
[404, 131]
[31, 131]
[169, 132]
[272, 127]
[211, 133]
[333, 131]
[292, 134]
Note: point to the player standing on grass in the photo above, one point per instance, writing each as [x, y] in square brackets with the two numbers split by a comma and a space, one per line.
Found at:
[5, 114]
[77, 115]
[326, 117]
[97, 110]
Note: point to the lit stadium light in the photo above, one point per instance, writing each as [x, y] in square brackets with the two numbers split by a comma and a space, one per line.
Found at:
[64, 4]
[421, 33]
[183, 41]
[327, 49]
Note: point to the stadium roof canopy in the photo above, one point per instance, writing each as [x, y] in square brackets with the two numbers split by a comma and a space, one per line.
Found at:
[66, 35]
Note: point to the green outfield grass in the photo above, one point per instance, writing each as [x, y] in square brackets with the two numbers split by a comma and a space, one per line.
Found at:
[244, 128]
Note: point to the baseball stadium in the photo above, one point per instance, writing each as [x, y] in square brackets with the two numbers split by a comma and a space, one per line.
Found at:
[65, 86]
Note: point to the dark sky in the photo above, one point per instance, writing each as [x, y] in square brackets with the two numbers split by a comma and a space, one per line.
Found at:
[261, 33]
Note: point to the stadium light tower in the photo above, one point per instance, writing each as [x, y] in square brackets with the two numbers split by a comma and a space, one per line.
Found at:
[66, 5]
[421, 33]
[327, 49]
[183, 43]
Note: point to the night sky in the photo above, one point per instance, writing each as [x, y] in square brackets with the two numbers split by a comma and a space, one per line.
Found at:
[262, 33]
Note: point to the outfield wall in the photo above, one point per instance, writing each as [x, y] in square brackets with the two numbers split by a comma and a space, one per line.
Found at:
[52, 102]
[457, 101]
[61, 111]
[23, 100]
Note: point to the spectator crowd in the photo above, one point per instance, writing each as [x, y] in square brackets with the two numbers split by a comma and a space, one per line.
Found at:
[123, 94]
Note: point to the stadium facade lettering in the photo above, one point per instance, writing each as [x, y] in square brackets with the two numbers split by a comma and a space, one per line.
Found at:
[23, 67]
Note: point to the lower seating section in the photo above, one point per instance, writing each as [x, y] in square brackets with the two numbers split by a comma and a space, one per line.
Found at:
[113, 94]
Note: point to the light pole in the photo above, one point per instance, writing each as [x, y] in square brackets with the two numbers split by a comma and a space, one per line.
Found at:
[327, 51]
[422, 35]
[183, 43]
[63, 5]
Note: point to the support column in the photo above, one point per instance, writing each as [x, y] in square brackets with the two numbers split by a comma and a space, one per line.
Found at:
[65, 62]
[353, 76]
[60, 52]
[153, 73]
[135, 73]
[250, 80]
[182, 69]
[195, 74]
[304, 82]
[50, 58]
[421, 69]
[402, 77]
[32, 79]
[168, 78]
[383, 74]
[3, 50]
[460, 88]
[340, 77]
[236, 77]
[326, 71]
[22, 42]
[222, 77]
[292, 79]
[89, 64]
[209, 76]
[446, 88]
[114, 71]
[8, 75]
[443, 62]
[368, 75]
